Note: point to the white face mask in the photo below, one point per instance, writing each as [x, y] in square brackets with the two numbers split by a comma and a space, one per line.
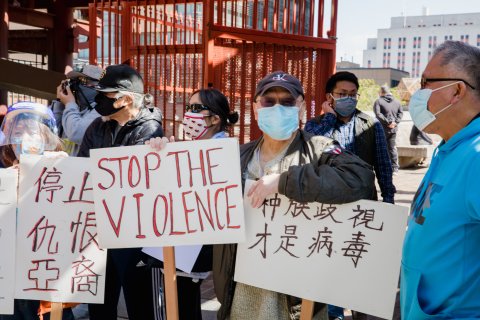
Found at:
[418, 107]
[194, 125]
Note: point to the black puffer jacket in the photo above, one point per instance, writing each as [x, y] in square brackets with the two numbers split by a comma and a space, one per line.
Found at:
[100, 134]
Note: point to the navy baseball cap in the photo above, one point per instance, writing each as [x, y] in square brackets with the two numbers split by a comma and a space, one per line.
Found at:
[280, 79]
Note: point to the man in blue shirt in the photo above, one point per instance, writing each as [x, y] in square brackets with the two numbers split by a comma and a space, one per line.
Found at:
[354, 130]
[441, 253]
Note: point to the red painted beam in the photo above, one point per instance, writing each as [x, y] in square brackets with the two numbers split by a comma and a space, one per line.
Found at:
[272, 37]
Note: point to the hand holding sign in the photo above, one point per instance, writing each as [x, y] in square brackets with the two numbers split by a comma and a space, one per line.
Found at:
[158, 144]
[261, 189]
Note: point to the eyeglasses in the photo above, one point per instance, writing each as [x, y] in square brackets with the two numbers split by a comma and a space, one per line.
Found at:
[196, 107]
[424, 81]
[344, 95]
[268, 102]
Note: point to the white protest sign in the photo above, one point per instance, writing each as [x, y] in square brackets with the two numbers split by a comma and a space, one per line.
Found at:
[8, 207]
[58, 258]
[346, 255]
[189, 193]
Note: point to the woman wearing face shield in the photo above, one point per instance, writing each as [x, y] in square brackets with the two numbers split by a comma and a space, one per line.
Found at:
[207, 116]
[29, 128]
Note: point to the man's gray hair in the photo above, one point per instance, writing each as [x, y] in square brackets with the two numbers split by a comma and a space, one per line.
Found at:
[138, 98]
[463, 57]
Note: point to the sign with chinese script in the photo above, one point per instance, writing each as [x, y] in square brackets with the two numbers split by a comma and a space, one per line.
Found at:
[8, 207]
[58, 257]
[188, 193]
[346, 255]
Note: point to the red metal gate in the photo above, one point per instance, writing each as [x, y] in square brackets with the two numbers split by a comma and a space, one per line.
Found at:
[181, 46]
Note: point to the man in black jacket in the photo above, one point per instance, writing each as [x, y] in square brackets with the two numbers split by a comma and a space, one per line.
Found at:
[125, 121]
[389, 112]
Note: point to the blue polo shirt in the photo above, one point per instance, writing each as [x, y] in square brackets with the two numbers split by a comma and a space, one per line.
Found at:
[441, 254]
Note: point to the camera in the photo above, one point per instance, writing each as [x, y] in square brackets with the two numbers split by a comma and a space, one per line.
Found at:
[72, 84]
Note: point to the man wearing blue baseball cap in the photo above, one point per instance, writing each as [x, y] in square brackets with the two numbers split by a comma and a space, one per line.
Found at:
[294, 163]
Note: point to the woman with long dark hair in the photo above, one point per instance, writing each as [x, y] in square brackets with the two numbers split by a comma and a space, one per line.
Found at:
[207, 116]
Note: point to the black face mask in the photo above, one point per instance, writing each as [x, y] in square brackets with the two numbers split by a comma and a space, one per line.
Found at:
[105, 105]
[85, 96]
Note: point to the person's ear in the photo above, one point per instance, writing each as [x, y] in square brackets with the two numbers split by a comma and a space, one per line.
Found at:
[124, 100]
[461, 90]
[215, 120]
[329, 97]
[302, 109]
[256, 105]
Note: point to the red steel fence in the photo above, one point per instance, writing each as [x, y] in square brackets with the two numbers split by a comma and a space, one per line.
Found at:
[181, 46]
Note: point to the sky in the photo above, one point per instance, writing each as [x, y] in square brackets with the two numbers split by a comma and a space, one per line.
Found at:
[359, 20]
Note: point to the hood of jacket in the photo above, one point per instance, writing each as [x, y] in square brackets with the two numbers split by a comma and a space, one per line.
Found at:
[388, 97]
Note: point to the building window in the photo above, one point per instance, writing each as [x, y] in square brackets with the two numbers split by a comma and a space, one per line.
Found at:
[478, 40]
[430, 42]
[418, 64]
[384, 43]
[404, 42]
[429, 54]
[414, 42]
[434, 42]
[399, 43]
[369, 63]
[419, 43]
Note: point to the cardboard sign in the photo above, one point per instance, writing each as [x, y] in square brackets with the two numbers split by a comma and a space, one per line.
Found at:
[189, 193]
[8, 209]
[58, 257]
[346, 255]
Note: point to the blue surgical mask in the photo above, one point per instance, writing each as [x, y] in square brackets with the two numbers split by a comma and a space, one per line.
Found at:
[28, 145]
[418, 107]
[345, 107]
[279, 122]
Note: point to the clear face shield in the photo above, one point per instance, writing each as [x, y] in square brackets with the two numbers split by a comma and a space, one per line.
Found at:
[29, 130]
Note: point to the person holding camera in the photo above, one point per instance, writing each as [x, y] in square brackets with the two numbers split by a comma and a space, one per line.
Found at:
[75, 108]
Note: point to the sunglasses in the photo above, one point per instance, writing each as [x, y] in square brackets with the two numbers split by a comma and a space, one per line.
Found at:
[267, 102]
[424, 81]
[196, 107]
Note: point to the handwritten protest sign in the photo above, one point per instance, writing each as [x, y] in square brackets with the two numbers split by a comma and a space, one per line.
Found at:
[346, 255]
[189, 193]
[58, 258]
[8, 207]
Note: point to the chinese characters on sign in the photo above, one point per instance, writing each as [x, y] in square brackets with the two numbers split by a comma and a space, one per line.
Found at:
[316, 246]
[190, 193]
[58, 258]
[8, 205]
